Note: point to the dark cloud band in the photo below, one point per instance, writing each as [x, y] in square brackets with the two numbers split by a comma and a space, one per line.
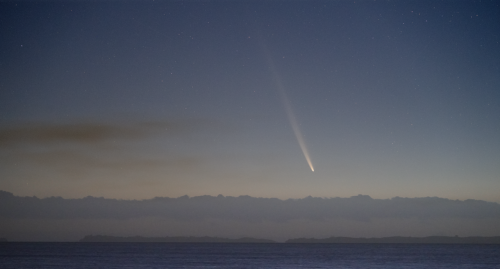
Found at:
[246, 208]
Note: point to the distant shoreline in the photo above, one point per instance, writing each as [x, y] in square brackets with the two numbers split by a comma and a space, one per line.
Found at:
[330, 240]
[172, 239]
[402, 240]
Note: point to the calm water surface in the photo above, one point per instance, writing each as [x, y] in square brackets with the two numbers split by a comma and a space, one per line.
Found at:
[217, 255]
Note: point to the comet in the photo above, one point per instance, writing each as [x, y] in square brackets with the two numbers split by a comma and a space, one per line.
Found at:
[288, 107]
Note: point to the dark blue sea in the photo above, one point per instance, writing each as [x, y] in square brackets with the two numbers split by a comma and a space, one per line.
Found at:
[221, 255]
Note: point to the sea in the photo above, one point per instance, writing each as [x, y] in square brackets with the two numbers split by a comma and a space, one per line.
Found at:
[245, 255]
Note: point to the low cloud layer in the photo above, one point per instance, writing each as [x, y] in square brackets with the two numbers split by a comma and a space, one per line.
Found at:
[59, 219]
[83, 132]
[245, 208]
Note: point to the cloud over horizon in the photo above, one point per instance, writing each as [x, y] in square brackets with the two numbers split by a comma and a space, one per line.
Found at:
[246, 208]
[56, 218]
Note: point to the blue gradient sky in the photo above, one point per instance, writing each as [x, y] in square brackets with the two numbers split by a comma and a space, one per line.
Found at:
[134, 100]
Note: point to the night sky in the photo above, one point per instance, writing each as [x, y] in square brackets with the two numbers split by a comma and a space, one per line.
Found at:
[133, 100]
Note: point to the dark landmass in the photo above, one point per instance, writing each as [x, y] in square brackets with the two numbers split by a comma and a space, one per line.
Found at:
[330, 240]
[172, 239]
[402, 240]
